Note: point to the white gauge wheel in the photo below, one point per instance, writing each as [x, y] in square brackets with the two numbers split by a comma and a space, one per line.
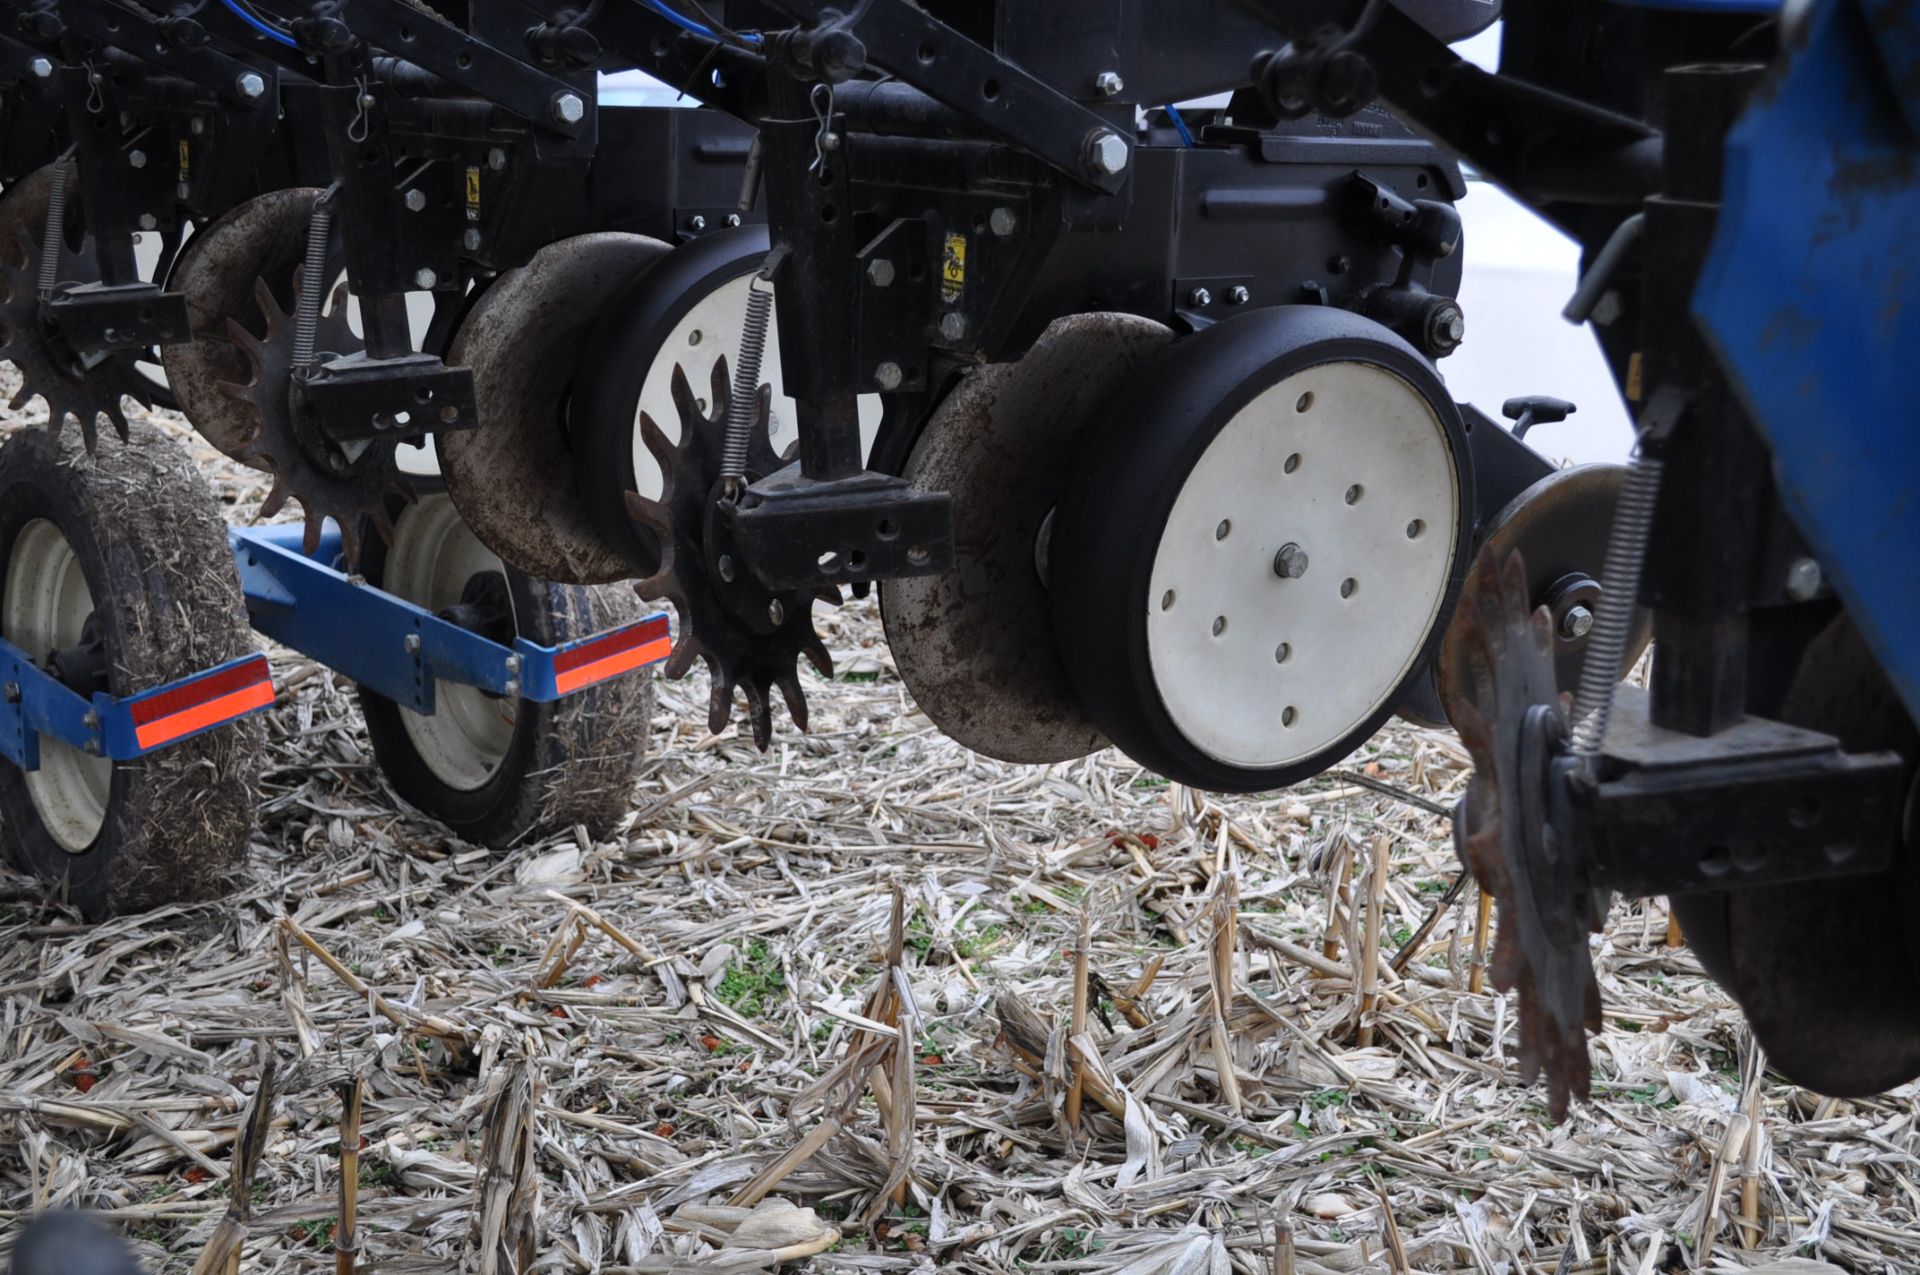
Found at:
[46, 604]
[1346, 470]
[433, 556]
[710, 330]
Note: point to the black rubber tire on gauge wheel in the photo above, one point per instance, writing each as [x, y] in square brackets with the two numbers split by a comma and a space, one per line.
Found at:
[132, 537]
[1297, 430]
[501, 772]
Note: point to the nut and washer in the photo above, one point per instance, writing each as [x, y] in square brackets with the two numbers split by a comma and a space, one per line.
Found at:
[1291, 562]
[1109, 83]
[1107, 153]
[733, 219]
[1804, 579]
[887, 376]
[1238, 294]
[1200, 297]
[1576, 623]
[697, 222]
[880, 272]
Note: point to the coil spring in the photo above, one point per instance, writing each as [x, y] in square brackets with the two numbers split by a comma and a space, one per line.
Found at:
[746, 385]
[1619, 597]
[56, 227]
[306, 315]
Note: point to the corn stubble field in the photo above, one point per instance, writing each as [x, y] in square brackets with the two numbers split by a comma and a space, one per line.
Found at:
[869, 1002]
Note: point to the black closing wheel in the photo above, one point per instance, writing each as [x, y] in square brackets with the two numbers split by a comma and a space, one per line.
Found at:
[124, 550]
[500, 771]
[1260, 548]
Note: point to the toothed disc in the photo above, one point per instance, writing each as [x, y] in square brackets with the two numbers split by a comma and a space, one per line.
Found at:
[975, 646]
[512, 479]
[47, 370]
[263, 238]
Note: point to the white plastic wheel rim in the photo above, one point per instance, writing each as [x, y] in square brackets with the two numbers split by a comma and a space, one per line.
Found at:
[46, 604]
[1260, 671]
[709, 330]
[433, 556]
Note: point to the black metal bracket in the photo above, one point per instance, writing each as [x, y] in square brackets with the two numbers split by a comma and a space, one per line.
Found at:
[796, 533]
[178, 45]
[1762, 803]
[355, 397]
[95, 318]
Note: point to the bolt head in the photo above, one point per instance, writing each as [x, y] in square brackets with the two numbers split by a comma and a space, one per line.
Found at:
[496, 159]
[137, 158]
[11, 692]
[91, 721]
[1291, 562]
[1576, 623]
[411, 643]
[733, 219]
[697, 222]
[197, 126]
[1804, 579]
[512, 664]
[1238, 294]
[776, 614]
[415, 200]
[182, 190]
[569, 108]
[880, 272]
[1109, 83]
[424, 278]
[887, 376]
[471, 240]
[149, 222]
[727, 571]
[512, 688]
[250, 84]
[41, 68]
[953, 325]
[1107, 153]
[1200, 297]
[1002, 221]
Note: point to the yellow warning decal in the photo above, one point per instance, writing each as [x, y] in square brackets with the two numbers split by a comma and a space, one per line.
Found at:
[473, 194]
[186, 164]
[953, 269]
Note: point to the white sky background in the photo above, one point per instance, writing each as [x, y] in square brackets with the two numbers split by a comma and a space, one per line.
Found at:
[1519, 273]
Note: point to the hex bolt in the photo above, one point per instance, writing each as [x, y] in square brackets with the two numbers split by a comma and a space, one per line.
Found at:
[953, 325]
[425, 278]
[471, 240]
[887, 376]
[1109, 83]
[182, 190]
[880, 272]
[1804, 579]
[496, 159]
[697, 222]
[1002, 221]
[148, 221]
[1107, 153]
[410, 644]
[415, 200]
[1200, 296]
[511, 664]
[512, 689]
[733, 219]
[1238, 294]
[91, 721]
[137, 158]
[568, 108]
[776, 614]
[1291, 562]
[250, 84]
[727, 572]
[1576, 623]
[41, 68]
[12, 692]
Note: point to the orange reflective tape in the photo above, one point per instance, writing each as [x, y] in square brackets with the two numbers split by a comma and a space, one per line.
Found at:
[200, 716]
[613, 665]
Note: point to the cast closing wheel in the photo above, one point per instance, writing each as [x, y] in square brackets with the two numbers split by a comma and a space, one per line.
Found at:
[975, 646]
[499, 770]
[511, 478]
[115, 574]
[1251, 563]
[689, 311]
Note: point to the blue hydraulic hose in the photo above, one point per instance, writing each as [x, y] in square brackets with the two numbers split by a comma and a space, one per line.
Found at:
[688, 24]
[270, 32]
[1179, 125]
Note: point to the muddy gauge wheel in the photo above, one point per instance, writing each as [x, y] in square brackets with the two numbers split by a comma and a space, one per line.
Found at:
[1260, 550]
[119, 562]
[495, 770]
